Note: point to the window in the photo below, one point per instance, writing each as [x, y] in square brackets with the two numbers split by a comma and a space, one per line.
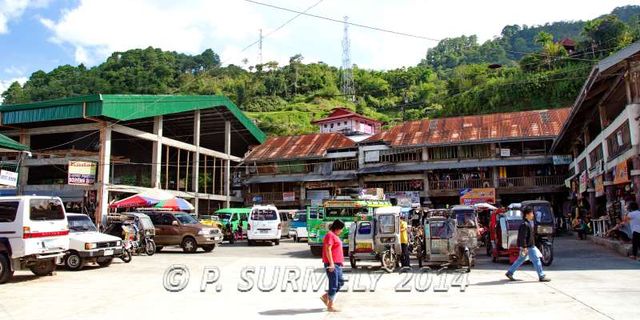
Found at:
[186, 218]
[166, 219]
[8, 211]
[441, 153]
[325, 125]
[332, 126]
[595, 155]
[263, 215]
[46, 209]
[81, 224]
[400, 155]
[619, 141]
[345, 123]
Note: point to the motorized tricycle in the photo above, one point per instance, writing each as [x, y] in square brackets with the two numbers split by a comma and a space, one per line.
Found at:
[440, 247]
[503, 230]
[544, 223]
[377, 240]
[136, 227]
[467, 233]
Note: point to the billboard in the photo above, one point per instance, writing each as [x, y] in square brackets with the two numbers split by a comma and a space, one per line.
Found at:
[477, 195]
[82, 173]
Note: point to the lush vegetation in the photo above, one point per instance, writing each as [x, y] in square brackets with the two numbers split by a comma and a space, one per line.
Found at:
[524, 68]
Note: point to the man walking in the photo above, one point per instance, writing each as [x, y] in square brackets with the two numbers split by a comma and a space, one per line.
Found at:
[526, 242]
[633, 218]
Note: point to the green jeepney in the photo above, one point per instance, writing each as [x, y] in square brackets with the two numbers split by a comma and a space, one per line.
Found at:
[320, 218]
[231, 219]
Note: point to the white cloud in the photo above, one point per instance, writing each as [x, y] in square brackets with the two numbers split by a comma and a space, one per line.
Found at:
[95, 28]
[14, 9]
[4, 84]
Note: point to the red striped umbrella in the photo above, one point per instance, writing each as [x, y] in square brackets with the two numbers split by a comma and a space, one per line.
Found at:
[175, 204]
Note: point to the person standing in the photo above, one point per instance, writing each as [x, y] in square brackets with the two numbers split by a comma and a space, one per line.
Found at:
[633, 218]
[526, 242]
[333, 259]
[404, 242]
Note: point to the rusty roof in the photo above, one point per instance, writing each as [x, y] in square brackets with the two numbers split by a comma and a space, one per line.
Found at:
[521, 125]
[298, 147]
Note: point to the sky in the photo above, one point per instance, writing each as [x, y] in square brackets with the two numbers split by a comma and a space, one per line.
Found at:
[43, 34]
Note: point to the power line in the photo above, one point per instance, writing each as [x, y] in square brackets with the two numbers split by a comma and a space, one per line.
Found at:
[346, 22]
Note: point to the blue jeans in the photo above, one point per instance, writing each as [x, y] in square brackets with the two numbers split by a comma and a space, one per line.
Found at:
[335, 280]
[534, 259]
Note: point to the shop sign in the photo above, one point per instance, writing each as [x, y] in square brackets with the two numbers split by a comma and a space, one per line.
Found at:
[402, 196]
[82, 173]
[599, 185]
[477, 195]
[505, 152]
[584, 182]
[371, 194]
[288, 196]
[8, 178]
[256, 199]
[562, 160]
[621, 173]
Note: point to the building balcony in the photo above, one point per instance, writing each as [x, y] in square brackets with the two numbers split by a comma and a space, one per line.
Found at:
[541, 181]
[460, 184]
[275, 198]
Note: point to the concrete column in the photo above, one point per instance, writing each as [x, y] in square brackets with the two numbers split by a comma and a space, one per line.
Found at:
[303, 195]
[227, 162]
[425, 181]
[196, 159]
[23, 173]
[104, 164]
[495, 176]
[156, 157]
[636, 179]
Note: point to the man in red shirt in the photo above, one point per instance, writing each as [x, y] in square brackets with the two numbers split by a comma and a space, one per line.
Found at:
[333, 260]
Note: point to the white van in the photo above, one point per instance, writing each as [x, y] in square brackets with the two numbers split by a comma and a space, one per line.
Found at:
[264, 225]
[34, 234]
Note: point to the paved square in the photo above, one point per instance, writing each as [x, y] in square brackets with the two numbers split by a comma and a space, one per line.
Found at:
[589, 282]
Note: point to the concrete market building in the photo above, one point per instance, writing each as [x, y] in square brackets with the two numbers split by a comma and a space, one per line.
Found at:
[603, 136]
[186, 145]
[505, 156]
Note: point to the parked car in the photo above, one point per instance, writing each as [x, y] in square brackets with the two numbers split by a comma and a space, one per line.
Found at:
[34, 234]
[298, 227]
[86, 244]
[182, 229]
[264, 225]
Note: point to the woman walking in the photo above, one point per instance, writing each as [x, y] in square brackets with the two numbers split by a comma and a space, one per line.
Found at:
[333, 260]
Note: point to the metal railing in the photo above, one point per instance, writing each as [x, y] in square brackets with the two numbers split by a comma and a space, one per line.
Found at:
[269, 197]
[540, 181]
[460, 184]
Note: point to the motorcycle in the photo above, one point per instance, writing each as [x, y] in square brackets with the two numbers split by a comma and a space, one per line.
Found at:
[127, 249]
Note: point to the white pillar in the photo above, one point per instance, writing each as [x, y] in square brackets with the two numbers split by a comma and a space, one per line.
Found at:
[103, 172]
[196, 159]
[227, 167]
[156, 158]
[23, 174]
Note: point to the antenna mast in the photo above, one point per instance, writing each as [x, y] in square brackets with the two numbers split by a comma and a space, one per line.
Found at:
[348, 89]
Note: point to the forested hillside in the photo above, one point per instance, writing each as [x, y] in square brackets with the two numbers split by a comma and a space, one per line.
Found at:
[524, 68]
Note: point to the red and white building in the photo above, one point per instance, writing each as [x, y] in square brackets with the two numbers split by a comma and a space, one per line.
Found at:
[354, 126]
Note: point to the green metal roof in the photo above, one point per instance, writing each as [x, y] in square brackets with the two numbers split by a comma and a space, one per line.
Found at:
[8, 143]
[120, 107]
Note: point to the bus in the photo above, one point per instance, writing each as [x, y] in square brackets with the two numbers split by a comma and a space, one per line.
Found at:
[320, 218]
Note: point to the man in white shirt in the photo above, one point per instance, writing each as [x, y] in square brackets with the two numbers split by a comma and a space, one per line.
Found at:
[633, 218]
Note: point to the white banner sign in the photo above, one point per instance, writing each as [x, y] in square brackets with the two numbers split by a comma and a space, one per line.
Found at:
[8, 178]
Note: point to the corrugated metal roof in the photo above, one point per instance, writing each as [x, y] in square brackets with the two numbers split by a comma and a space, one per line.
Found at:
[8, 143]
[120, 107]
[298, 147]
[478, 128]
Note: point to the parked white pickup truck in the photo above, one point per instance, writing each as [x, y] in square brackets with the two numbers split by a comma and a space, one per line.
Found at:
[86, 244]
[33, 234]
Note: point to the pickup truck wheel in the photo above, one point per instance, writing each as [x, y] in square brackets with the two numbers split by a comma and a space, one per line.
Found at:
[5, 269]
[208, 248]
[73, 261]
[43, 268]
[295, 239]
[189, 245]
[277, 242]
[158, 249]
[104, 262]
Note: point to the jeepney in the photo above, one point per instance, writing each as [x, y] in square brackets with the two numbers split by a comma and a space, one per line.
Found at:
[348, 210]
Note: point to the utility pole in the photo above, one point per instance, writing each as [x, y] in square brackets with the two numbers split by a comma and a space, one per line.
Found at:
[348, 89]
